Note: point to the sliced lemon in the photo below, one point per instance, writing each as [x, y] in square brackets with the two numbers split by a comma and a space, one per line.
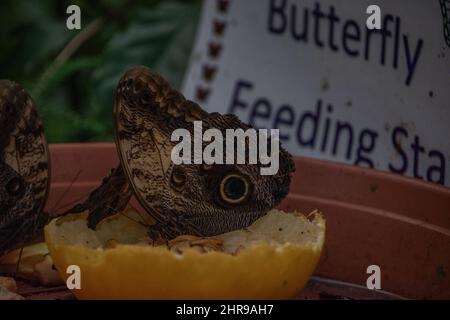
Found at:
[271, 259]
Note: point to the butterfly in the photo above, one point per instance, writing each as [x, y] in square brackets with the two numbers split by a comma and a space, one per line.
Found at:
[24, 168]
[195, 199]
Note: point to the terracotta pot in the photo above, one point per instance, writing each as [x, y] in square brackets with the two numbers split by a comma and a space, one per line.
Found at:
[373, 218]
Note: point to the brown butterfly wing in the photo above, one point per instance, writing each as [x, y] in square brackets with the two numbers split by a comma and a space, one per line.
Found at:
[146, 112]
[24, 156]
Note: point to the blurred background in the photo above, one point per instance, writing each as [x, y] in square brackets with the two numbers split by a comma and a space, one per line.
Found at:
[72, 74]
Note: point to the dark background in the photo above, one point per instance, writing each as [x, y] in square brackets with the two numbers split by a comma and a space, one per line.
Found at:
[72, 74]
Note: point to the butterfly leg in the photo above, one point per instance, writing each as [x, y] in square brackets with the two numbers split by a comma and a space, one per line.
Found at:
[157, 233]
[172, 227]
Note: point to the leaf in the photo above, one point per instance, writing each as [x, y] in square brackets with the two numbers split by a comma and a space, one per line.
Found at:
[160, 38]
[75, 99]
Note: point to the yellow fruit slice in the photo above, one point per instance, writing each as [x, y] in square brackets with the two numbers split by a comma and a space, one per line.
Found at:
[271, 259]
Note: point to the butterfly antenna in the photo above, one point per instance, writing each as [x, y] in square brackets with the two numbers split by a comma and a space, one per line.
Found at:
[73, 201]
[19, 260]
[140, 215]
[121, 211]
[130, 218]
[67, 190]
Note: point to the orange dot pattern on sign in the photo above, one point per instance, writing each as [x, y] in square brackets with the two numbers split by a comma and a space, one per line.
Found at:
[214, 50]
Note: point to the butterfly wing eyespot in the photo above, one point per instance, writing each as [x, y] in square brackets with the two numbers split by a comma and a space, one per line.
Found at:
[15, 186]
[234, 189]
[178, 177]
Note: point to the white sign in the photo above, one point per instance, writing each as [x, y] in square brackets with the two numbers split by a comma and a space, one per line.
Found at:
[335, 89]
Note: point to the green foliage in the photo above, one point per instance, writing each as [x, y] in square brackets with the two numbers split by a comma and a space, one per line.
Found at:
[75, 98]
